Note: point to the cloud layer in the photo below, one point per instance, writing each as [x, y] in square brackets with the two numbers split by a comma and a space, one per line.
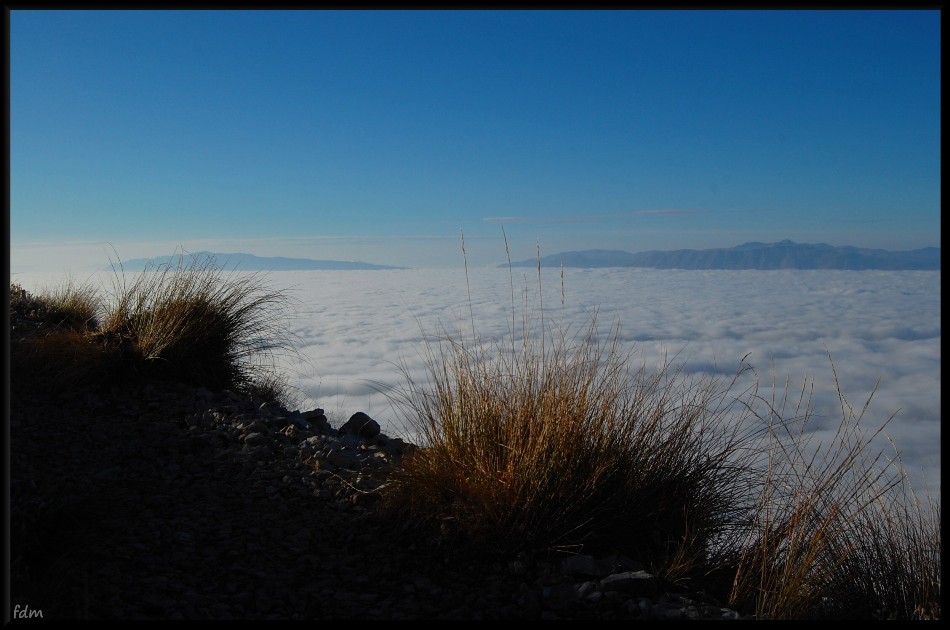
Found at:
[358, 331]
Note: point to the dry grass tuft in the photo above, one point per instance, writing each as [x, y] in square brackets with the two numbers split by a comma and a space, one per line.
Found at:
[573, 452]
[559, 444]
[837, 531]
[188, 321]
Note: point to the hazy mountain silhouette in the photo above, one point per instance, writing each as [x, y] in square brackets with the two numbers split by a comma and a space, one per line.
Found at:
[250, 262]
[782, 255]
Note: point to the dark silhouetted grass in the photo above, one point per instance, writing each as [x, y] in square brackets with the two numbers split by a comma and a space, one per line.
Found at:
[838, 531]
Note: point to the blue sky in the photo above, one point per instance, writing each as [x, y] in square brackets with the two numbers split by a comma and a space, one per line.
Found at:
[381, 135]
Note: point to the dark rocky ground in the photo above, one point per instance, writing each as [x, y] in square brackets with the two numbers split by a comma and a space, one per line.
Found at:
[162, 501]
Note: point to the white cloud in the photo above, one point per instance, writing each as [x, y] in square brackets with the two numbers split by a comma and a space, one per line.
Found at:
[356, 328]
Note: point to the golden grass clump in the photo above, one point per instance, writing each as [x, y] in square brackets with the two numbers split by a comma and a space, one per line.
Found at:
[71, 306]
[557, 444]
[193, 323]
[49, 341]
[574, 451]
[187, 321]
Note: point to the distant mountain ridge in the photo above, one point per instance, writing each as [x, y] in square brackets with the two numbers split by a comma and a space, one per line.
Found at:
[781, 255]
[250, 262]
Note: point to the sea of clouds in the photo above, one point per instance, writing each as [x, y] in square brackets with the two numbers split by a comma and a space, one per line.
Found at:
[359, 333]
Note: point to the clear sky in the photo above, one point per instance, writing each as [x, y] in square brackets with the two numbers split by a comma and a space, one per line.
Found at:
[379, 136]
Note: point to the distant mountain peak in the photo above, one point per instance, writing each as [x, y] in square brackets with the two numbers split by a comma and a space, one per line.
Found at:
[785, 254]
[250, 262]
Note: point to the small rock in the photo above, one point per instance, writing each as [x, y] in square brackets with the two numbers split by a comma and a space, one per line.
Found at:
[586, 588]
[617, 563]
[362, 425]
[633, 582]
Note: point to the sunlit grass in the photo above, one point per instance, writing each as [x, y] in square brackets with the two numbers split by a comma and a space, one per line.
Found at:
[70, 305]
[187, 321]
[560, 443]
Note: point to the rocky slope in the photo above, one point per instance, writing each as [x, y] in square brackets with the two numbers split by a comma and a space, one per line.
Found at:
[169, 502]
